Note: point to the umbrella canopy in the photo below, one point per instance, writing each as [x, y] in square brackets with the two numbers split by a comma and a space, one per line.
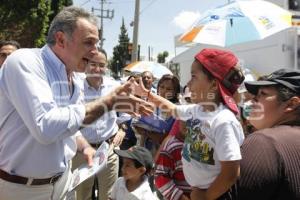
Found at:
[158, 70]
[238, 22]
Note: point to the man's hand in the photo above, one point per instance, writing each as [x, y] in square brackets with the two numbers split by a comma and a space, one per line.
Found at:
[88, 154]
[120, 100]
[132, 105]
[85, 148]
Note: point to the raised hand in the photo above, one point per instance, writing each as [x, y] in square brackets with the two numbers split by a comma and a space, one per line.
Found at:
[138, 89]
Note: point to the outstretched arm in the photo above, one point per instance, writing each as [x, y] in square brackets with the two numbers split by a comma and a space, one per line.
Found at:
[120, 100]
[158, 101]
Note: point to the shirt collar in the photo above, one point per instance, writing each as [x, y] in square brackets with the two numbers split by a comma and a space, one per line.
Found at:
[55, 61]
[87, 85]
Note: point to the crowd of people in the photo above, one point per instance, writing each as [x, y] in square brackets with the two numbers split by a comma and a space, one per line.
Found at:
[225, 135]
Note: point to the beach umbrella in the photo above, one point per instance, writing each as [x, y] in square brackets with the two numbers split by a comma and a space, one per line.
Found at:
[157, 69]
[238, 22]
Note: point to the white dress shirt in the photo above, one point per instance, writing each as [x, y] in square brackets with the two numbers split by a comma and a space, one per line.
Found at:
[106, 126]
[38, 114]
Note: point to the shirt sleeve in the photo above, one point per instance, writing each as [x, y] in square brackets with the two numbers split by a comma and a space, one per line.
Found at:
[27, 87]
[186, 112]
[228, 138]
[260, 168]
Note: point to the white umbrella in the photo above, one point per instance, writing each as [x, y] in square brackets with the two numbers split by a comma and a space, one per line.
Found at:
[157, 69]
[238, 22]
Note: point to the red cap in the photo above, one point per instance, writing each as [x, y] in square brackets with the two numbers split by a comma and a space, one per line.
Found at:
[220, 64]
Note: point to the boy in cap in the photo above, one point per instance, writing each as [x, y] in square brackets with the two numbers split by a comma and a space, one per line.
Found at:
[137, 164]
[211, 152]
[271, 155]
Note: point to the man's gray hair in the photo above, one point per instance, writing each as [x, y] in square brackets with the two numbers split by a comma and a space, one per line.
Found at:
[65, 21]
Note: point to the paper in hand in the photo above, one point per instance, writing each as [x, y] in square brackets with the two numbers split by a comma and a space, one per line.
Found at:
[84, 172]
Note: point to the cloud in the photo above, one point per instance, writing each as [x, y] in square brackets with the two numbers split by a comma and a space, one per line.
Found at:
[185, 19]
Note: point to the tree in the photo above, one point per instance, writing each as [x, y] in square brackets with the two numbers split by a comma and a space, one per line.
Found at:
[120, 52]
[161, 57]
[26, 21]
[57, 5]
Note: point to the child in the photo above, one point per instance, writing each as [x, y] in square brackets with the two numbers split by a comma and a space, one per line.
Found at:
[211, 151]
[137, 164]
[169, 178]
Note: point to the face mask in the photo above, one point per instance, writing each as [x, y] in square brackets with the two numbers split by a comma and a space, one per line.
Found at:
[246, 109]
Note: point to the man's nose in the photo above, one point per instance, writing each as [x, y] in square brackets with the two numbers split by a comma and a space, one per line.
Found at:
[94, 49]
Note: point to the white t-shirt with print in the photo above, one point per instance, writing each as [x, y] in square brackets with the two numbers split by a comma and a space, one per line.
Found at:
[143, 192]
[211, 137]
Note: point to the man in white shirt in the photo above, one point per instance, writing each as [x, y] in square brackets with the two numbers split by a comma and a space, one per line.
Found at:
[41, 109]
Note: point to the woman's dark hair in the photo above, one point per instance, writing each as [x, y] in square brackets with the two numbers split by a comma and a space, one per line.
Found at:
[175, 83]
[284, 94]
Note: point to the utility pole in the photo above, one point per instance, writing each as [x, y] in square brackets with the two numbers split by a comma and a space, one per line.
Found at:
[104, 14]
[134, 55]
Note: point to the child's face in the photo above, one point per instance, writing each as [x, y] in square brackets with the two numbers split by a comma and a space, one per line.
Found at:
[129, 171]
[202, 89]
[166, 89]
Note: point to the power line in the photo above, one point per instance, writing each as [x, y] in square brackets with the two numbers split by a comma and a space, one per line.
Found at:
[153, 1]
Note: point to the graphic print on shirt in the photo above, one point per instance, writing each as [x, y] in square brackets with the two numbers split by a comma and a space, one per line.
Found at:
[196, 145]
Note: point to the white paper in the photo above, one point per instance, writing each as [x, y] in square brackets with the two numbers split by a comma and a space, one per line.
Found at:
[84, 172]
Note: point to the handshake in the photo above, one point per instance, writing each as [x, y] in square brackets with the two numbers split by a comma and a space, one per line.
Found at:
[131, 98]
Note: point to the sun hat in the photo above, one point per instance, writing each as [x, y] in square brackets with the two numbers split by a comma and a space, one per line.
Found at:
[289, 78]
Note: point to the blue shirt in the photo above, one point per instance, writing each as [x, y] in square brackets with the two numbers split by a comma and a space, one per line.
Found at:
[106, 126]
[37, 114]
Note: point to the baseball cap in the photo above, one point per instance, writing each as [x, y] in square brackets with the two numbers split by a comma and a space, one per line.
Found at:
[287, 77]
[222, 65]
[141, 154]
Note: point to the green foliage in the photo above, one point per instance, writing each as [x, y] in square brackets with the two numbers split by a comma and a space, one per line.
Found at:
[57, 5]
[161, 57]
[27, 21]
[120, 52]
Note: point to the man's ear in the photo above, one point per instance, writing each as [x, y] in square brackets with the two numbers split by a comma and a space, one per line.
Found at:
[292, 104]
[60, 38]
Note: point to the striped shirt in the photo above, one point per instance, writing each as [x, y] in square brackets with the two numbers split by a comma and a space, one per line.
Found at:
[169, 178]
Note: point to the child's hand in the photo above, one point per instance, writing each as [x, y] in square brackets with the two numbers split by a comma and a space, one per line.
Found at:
[198, 194]
[138, 88]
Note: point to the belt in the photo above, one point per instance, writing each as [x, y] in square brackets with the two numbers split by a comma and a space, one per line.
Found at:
[28, 181]
[109, 141]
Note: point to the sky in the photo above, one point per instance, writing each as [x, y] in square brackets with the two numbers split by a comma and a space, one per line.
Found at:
[159, 21]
